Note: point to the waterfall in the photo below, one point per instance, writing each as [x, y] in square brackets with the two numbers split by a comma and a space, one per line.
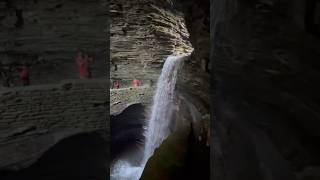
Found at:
[158, 126]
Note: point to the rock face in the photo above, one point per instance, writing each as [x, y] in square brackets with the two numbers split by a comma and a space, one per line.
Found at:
[194, 76]
[36, 117]
[127, 129]
[266, 101]
[143, 33]
[122, 98]
[180, 156]
[47, 34]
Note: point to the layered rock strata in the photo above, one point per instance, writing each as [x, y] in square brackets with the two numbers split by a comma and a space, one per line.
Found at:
[35, 118]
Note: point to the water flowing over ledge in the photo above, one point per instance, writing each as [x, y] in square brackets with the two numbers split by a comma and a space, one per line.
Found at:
[159, 125]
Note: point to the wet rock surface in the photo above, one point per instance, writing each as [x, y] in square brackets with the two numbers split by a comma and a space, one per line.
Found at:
[143, 33]
[265, 73]
[180, 156]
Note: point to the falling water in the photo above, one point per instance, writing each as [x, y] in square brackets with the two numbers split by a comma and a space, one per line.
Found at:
[158, 127]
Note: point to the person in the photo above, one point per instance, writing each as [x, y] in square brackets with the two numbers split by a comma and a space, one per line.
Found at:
[135, 82]
[117, 85]
[83, 63]
[24, 75]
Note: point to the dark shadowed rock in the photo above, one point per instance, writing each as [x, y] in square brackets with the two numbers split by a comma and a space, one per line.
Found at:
[83, 156]
[127, 129]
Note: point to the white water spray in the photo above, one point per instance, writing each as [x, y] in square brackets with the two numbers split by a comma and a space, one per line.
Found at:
[158, 127]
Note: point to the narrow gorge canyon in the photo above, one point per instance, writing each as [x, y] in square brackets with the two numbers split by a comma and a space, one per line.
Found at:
[196, 89]
[144, 36]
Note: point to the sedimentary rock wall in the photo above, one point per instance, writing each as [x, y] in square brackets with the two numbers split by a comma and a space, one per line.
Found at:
[47, 34]
[265, 70]
[143, 33]
[122, 98]
[34, 118]
[195, 74]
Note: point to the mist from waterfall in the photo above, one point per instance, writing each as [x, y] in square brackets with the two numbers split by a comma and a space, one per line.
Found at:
[158, 126]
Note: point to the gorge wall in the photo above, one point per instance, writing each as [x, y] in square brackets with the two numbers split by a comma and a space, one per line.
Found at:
[47, 35]
[142, 34]
[266, 100]
[195, 76]
[32, 119]
[122, 98]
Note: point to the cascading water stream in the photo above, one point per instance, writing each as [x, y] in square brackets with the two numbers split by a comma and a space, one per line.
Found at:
[158, 127]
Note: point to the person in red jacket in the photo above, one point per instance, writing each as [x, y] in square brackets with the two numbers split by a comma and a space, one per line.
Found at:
[117, 85]
[136, 83]
[24, 75]
[83, 63]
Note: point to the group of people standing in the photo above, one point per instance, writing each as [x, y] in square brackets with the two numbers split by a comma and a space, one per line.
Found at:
[7, 75]
[83, 64]
[82, 60]
[135, 83]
